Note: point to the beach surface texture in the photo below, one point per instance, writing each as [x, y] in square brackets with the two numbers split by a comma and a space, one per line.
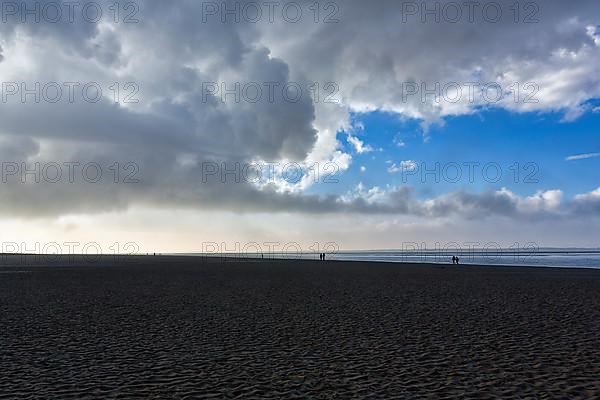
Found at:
[170, 327]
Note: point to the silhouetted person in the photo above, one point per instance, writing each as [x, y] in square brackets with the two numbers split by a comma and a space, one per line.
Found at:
[453, 260]
[323, 256]
[320, 256]
[262, 256]
[457, 260]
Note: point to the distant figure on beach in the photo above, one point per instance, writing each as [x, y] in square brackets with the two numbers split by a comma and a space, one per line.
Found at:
[323, 256]
[262, 256]
[457, 260]
[453, 259]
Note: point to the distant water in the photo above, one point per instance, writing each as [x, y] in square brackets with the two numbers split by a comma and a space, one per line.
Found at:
[553, 258]
[535, 257]
[580, 258]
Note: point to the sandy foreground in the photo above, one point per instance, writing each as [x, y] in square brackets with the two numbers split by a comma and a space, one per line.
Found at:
[187, 328]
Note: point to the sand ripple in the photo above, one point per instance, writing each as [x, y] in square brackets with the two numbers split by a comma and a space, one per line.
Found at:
[297, 331]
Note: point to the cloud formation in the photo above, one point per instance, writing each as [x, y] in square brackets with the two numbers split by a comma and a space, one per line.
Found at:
[582, 156]
[196, 80]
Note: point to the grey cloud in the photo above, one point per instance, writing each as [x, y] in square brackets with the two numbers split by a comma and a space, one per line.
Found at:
[370, 65]
[586, 204]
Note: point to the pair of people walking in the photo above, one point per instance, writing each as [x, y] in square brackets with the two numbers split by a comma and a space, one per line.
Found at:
[455, 260]
[322, 256]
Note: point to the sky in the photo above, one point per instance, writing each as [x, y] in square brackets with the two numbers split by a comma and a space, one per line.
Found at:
[180, 126]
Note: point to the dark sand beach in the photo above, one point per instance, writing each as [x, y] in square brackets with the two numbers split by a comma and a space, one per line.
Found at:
[187, 328]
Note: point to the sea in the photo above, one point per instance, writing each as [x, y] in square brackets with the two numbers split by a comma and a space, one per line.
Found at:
[535, 257]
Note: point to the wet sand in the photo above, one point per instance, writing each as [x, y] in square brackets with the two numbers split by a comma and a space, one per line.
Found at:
[187, 328]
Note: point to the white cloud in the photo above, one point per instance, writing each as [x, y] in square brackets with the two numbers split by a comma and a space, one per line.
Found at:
[359, 145]
[591, 196]
[371, 196]
[542, 205]
[399, 142]
[540, 201]
[404, 166]
[582, 156]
